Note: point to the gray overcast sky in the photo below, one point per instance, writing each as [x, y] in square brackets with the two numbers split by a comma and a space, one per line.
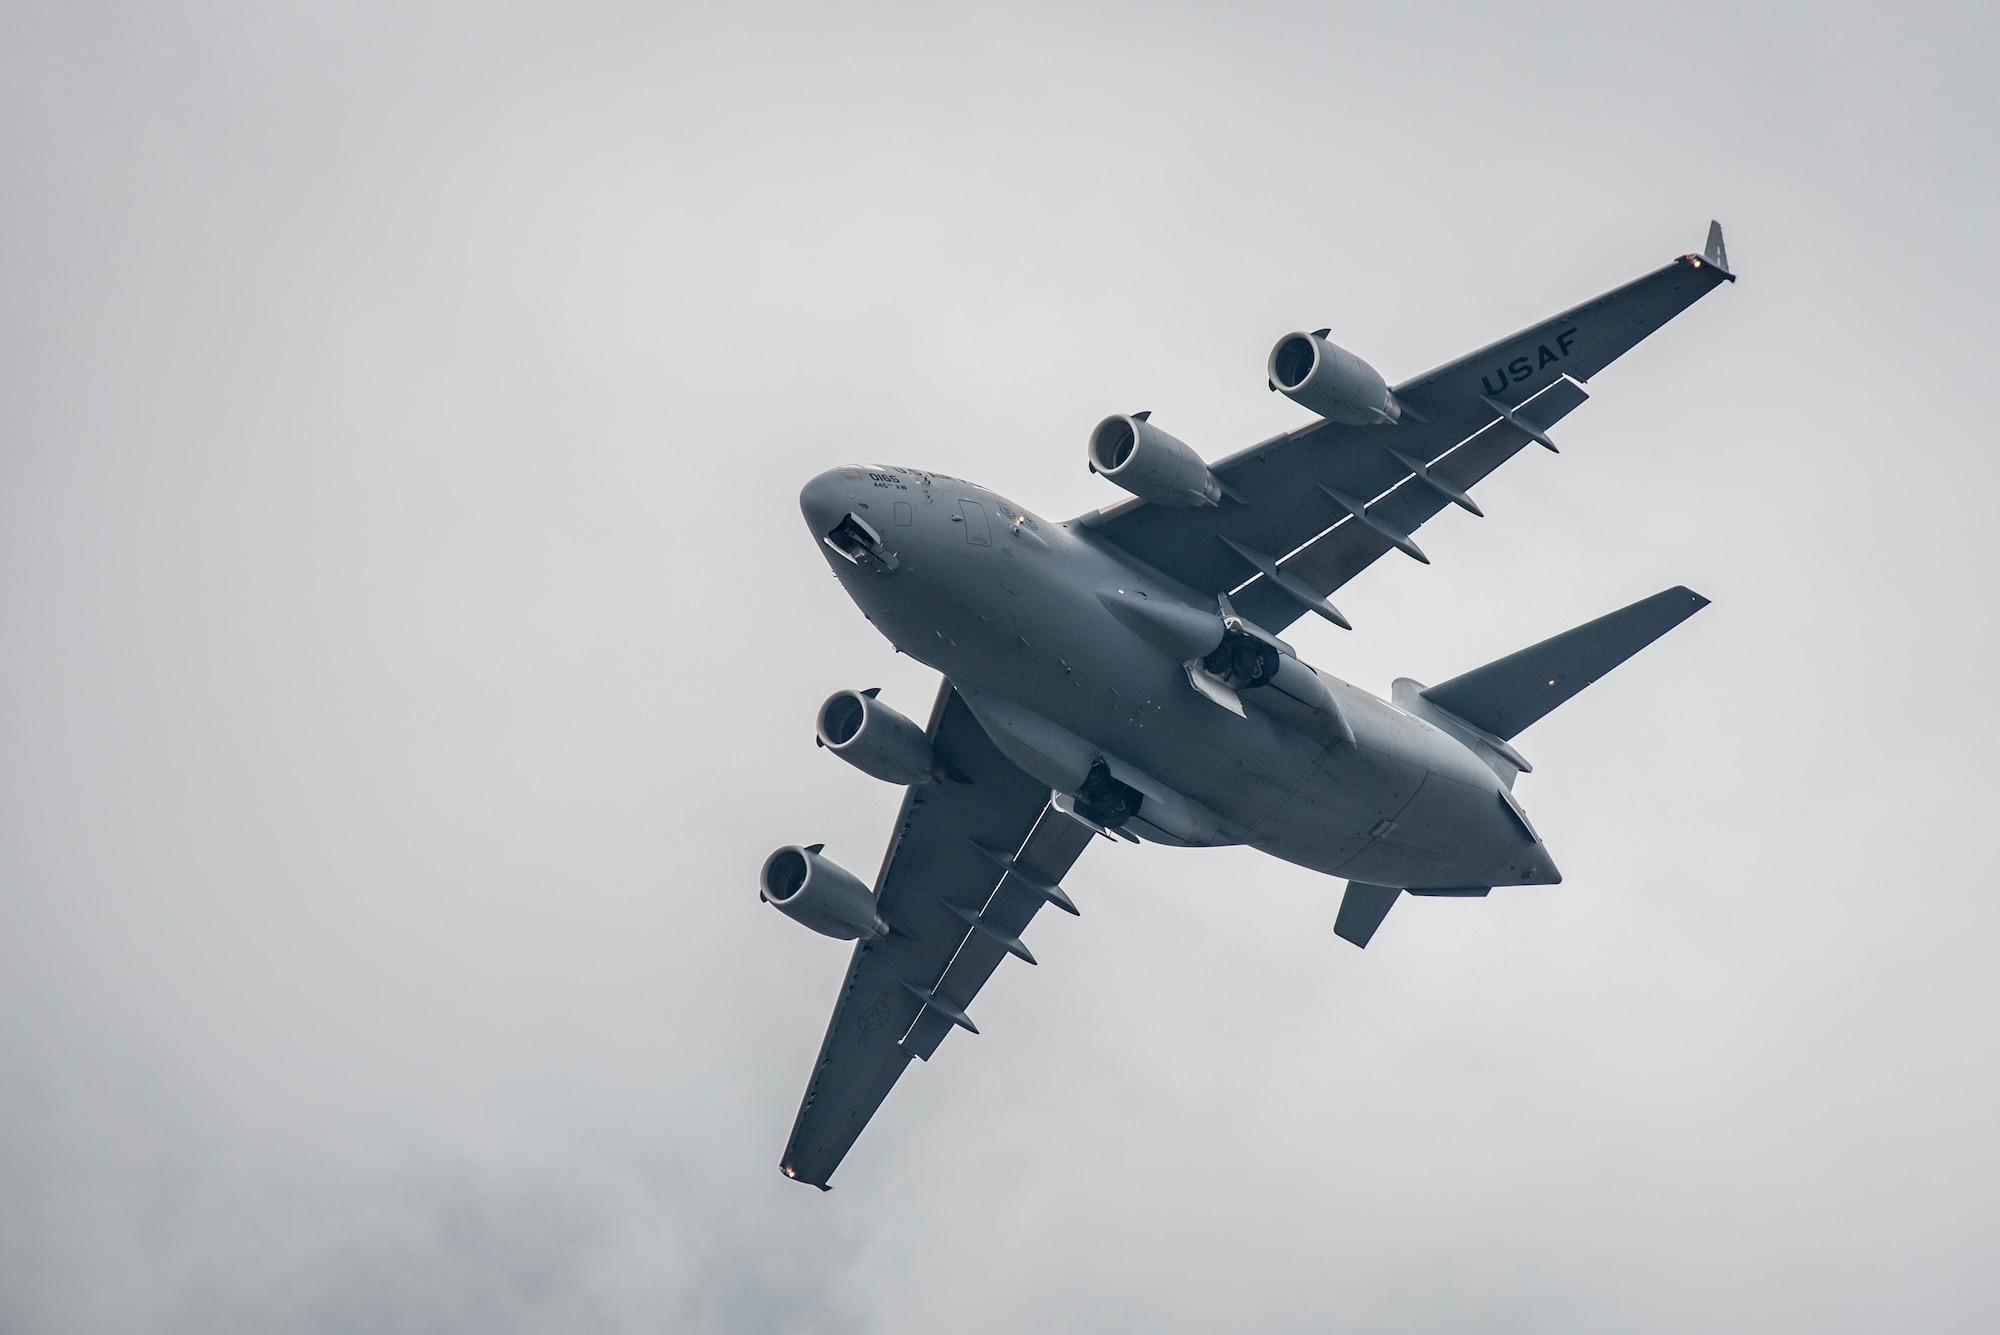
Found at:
[411, 646]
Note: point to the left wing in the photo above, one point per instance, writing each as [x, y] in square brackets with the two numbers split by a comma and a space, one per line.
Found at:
[1310, 509]
[968, 866]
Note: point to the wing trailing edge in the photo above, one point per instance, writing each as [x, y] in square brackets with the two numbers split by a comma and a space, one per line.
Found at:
[1459, 421]
[967, 867]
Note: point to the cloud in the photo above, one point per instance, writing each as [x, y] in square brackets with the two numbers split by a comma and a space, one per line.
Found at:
[412, 647]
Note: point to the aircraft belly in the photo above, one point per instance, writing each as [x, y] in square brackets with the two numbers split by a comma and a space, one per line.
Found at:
[1027, 627]
[1450, 834]
[1129, 660]
[1243, 769]
[1022, 623]
[1333, 816]
[1148, 717]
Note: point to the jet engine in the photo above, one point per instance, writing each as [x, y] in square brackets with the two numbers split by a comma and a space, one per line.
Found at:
[820, 893]
[874, 738]
[1331, 381]
[1151, 464]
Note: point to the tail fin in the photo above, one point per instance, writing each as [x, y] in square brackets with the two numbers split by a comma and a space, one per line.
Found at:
[1510, 693]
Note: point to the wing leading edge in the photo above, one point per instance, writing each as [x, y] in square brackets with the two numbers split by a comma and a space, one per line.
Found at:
[968, 867]
[1321, 503]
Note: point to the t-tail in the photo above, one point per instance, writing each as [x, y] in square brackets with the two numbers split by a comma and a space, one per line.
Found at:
[1489, 706]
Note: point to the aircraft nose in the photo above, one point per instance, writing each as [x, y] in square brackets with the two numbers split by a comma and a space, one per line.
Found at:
[826, 498]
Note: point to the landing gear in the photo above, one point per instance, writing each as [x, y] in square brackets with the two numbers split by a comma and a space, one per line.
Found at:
[1105, 801]
[1242, 661]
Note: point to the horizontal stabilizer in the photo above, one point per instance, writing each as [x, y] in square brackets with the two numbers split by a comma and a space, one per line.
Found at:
[1362, 909]
[1509, 694]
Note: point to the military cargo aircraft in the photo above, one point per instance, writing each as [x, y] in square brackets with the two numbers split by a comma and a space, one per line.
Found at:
[1122, 675]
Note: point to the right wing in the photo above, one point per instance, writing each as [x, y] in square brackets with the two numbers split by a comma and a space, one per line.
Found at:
[971, 861]
[1288, 522]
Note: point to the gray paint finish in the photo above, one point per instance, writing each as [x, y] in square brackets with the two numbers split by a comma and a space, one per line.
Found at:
[1507, 696]
[1118, 675]
[413, 646]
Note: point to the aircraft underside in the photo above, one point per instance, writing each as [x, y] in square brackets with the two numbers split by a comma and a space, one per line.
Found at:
[1122, 676]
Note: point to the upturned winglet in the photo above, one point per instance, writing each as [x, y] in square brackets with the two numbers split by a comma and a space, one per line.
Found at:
[1715, 252]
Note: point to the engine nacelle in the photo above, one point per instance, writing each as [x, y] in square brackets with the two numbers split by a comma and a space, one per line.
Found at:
[874, 738]
[1331, 381]
[1151, 464]
[820, 893]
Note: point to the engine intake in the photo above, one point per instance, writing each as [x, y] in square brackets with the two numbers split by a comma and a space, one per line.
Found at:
[1151, 464]
[874, 738]
[1331, 381]
[819, 893]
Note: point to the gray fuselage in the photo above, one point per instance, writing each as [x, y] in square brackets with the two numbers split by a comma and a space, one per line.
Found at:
[1012, 610]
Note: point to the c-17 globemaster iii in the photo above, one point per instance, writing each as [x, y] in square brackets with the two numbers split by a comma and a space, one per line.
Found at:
[1121, 675]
